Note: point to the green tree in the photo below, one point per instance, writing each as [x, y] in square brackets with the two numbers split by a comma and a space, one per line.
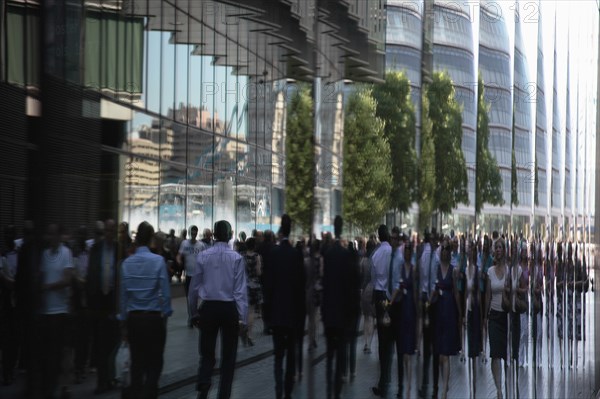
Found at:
[300, 159]
[446, 127]
[367, 176]
[395, 108]
[426, 170]
[488, 181]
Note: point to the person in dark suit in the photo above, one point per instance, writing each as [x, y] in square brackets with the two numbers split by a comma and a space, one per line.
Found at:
[101, 288]
[340, 307]
[285, 307]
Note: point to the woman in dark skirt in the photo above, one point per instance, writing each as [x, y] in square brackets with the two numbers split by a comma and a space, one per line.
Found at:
[560, 300]
[407, 333]
[474, 313]
[448, 317]
[496, 316]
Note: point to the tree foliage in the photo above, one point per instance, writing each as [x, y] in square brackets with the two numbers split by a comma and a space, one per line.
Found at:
[367, 176]
[300, 159]
[395, 108]
[488, 180]
[446, 127]
[426, 185]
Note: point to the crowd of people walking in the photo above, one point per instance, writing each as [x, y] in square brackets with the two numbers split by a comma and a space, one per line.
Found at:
[434, 296]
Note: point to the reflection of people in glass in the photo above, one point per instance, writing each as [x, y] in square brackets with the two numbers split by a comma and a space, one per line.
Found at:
[101, 288]
[57, 272]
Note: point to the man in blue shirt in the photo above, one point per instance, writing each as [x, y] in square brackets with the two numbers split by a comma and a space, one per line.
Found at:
[145, 302]
[382, 276]
[220, 282]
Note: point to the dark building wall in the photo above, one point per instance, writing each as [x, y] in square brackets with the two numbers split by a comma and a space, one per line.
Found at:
[70, 155]
[13, 158]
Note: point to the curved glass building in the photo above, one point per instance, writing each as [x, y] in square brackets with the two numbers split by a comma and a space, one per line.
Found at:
[453, 52]
[569, 159]
[404, 44]
[541, 149]
[523, 135]
[557, 196]
[495, 69]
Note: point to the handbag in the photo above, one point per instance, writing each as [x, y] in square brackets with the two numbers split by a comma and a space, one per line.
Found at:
[521, 301]
[122, 365]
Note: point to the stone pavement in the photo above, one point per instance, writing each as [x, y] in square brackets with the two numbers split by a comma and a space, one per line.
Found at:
[254, 375]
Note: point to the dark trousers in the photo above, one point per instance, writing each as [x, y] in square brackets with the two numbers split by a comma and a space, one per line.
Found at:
[147, 335]
[82, 342]
[284, 343]
[515, 327]
[336, 348]
[351, 338]
[53, 330]
[215, 316]
[186, 286]
[299, 349]
[385, 339]
[394, 311]
[428, 348]
[10, 343]
[105, 340]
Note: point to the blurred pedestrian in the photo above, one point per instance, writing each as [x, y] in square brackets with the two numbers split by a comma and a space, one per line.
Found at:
[253, 277]
[285, 308]
[101, 288]
[188, 252]
[9, 330]
[145, 304]
[496, 316]
[220, 282]
[366, 304]
[340, 308]
[57, 272]
[381, 276]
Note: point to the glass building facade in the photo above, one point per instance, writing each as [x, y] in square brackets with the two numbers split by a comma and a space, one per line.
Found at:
[523, 135]
[557, 193]
[495, 70]
[569, 158]
[453, 52]
[404, 45]
[172, 113]
[541, 150]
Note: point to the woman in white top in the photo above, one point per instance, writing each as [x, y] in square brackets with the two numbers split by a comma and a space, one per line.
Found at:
[496, 317]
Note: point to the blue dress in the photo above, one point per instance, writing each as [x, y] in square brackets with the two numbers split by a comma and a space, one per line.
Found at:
[408, 314]
[447, 333]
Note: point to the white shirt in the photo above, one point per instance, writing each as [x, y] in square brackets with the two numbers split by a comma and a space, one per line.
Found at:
[497, 287]
[53, 267]
[190, 253]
